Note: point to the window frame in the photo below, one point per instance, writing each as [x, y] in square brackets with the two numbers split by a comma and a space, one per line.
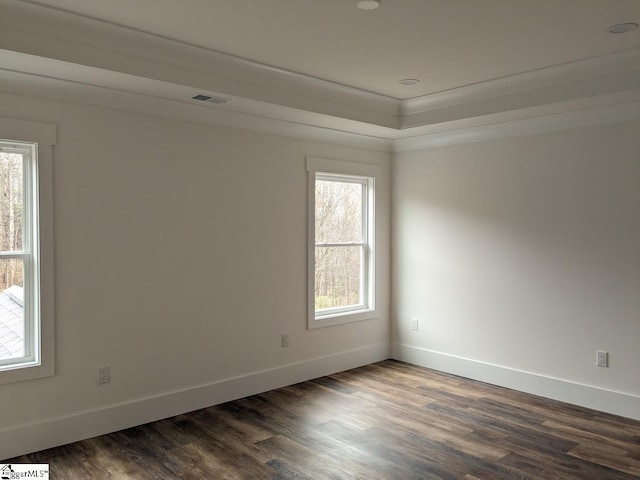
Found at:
[36, 141]
[366, 174]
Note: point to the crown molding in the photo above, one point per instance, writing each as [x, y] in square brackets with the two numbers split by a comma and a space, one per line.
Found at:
[538, 111]
[36, 86]
[598, 115]
[48, 52]
[602, 109]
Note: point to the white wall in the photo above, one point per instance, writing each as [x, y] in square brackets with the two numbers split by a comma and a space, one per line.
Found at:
[520, 258]
[180, 257]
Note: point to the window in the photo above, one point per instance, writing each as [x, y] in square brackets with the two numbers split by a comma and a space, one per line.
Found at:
[26, 274]
[341, 241]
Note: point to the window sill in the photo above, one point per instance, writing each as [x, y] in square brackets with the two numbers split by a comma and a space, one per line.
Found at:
[340, 318]
[28, 371]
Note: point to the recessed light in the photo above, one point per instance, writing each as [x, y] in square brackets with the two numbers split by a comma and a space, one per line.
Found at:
[410, 81]
[368, 4]
[622, 27]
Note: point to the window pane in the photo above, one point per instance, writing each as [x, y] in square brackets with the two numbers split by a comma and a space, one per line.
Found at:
[338, 211]
[338, 277]
[12, 332]
[11, 212]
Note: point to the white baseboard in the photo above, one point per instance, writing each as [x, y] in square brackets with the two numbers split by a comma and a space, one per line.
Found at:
[53, 432]
[589, 396]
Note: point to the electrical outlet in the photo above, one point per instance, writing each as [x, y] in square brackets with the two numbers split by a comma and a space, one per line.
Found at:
[285, 340]
[602, 358]
[414, 324]
[104, 375]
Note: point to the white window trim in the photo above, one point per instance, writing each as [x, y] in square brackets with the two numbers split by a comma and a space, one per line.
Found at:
[43, 136]
[322, 166]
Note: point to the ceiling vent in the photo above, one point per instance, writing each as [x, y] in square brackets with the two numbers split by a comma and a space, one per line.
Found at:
[210, 99]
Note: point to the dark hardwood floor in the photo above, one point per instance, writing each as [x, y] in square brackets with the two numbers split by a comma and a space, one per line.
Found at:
[389, 420]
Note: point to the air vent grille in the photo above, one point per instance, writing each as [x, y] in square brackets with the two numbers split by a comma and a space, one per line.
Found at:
[210, 98]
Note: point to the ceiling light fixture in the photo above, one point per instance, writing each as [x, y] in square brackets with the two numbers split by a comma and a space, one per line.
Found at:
[622, 27]
[368, 4]
[410, 81]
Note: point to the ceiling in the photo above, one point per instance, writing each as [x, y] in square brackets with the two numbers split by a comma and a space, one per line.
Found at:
[444, 43]
[328, 71]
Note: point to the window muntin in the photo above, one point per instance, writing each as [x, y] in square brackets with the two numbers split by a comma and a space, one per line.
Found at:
[19, 257]
[341, 242]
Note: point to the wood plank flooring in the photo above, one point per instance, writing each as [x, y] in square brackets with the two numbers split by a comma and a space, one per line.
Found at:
[389, 420]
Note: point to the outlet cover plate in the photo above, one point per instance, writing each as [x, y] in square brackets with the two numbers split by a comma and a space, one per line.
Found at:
[602, 358]
[104, 375]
